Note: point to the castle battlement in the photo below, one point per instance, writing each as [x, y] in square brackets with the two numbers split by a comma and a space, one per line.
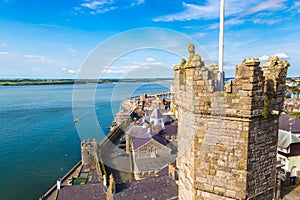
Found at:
[227, 139]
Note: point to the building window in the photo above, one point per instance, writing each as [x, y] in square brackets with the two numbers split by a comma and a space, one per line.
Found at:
[152, 152]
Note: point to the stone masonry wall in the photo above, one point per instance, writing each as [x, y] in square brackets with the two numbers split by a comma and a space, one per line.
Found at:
[227, 139]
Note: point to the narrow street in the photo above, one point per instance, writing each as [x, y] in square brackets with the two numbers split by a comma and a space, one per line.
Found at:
[116, 160]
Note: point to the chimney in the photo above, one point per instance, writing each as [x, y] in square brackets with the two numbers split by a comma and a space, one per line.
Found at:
[112, 184]
[172, 170]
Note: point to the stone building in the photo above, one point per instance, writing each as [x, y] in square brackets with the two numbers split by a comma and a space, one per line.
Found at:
[289, 156]
[150, 152]
[227, 140]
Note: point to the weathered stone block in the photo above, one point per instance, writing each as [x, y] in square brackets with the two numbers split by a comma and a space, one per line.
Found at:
[219, 190]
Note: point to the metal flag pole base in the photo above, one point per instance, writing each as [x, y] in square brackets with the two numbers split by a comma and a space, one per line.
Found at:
[220, 85]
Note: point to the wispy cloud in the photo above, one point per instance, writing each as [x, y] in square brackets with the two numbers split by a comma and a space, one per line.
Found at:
[266, 5]
[295, 7]
[120, 69]
[191, 11]
[71, 71]
[4, 1]
[199, 35]
[233, 8]
[233, 21]
[95, 4]
[94, 7]
[150, 59]
[71, 50]
[4, 53]
[136, 3]
[35, 58]
[267, 21]
[280, 55]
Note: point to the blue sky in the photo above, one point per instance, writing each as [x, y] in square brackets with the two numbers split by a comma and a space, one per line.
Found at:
[52, 39]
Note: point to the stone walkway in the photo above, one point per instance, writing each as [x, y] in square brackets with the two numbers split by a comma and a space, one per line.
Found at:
[291, 193]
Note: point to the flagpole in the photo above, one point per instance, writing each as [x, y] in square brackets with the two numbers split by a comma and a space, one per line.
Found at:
[221, 47]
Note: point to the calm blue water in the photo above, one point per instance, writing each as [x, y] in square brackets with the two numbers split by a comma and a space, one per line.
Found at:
[38, 138]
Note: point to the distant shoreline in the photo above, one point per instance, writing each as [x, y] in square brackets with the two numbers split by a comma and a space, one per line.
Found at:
[25, 82]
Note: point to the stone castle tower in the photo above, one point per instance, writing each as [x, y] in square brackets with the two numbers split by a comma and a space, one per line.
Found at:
[227, 140]
[89, 150]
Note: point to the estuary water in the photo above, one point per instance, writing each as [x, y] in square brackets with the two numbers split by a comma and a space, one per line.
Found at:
[39, 141]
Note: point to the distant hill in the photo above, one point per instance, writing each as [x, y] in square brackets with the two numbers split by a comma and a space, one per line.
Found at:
[19, 82]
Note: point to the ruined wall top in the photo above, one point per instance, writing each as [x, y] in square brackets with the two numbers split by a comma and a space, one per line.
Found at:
[256, 90]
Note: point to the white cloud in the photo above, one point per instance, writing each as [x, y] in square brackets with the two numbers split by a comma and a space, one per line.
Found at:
[210, 10]
[294, 7]
[120, 69]
[266, 5]
[104, 10]
[71, 71]
[150, 59]
[266, 21]
[234, 21]
[138, 2]
[124, 69]
[264, 57]
[110, 71]
[191, 11]
[199, 35]
[71, 50]
[213, 26]
[3, 45]
[3, 53]
[280, 55]
[36, 58]
[95, 4]
[94, 7]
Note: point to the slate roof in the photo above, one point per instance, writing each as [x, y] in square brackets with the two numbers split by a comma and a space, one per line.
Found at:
[79, 192]
[170, 129]
[167, 119]
[285, 120]
[137, 131]
[286, 138]
[156, 114]
[163, 171]
[141, 136]
[157, 163]
[155, 188]
[141, 141]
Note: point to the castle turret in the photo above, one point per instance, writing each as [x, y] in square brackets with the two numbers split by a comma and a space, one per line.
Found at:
[89, 150]
[227, 141]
